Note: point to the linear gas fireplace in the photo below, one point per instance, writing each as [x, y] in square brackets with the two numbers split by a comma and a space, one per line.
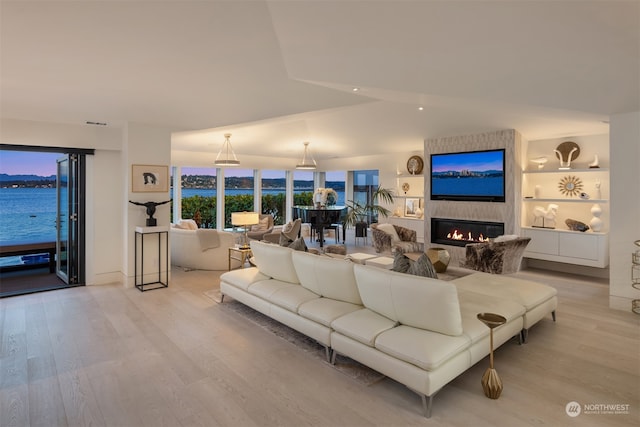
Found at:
[458, 232]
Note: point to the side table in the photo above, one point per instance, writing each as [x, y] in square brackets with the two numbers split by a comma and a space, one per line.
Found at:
[239, 254]
[140, 233]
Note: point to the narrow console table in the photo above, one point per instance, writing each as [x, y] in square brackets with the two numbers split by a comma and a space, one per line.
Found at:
[141, 232]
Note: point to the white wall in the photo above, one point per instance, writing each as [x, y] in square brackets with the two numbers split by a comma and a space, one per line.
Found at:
[111, 220]
[625, 206]
[103, 240]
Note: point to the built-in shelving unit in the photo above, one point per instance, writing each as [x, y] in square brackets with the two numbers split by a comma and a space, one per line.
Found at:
[541, 189]
[415, 191]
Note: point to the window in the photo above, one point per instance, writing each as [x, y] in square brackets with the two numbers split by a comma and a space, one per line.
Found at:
[199, 195]
[274, 195]
[365, 183]
[302, 188]
[238, 192]
[336, 180]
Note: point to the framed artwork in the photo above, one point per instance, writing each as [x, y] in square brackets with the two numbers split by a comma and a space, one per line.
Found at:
[411, 207]
[149, 178]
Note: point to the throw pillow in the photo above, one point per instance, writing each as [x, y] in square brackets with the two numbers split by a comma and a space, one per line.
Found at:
[401, 263]
[284, 240]
[187, 224]
[298, 245]
[390, 230]
[423, 267]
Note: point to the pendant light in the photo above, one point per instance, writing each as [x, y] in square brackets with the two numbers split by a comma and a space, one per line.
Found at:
[308, 162]
[226, 156]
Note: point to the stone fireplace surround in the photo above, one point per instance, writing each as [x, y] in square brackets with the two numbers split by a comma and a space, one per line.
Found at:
[507, 213]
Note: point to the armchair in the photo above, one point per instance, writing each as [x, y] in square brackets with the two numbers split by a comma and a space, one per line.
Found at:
[500, 256]
[265, 226]
[395, 238]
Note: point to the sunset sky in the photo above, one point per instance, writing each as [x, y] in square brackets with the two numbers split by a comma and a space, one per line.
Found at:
[28, 163]
[44, 164]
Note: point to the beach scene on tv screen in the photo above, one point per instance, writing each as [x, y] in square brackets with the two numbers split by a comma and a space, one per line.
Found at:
[468, 174]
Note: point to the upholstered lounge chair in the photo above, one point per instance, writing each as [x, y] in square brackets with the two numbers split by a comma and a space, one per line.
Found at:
[265, 226]
[404, 240]
[284, 233]
[500, 256]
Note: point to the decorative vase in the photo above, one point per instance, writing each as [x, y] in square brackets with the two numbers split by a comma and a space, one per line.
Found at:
[596, 223]
[537, 192]
[440, 258]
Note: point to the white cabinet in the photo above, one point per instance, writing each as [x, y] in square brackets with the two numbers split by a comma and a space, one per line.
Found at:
[573, 247]
[542, 188]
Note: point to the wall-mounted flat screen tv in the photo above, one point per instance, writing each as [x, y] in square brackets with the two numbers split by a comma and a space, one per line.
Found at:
[476, 176]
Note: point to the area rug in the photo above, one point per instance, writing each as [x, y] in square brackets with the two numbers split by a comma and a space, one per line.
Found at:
[344, 365]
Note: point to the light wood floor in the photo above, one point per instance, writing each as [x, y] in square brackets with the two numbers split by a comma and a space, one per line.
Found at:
[110, 356]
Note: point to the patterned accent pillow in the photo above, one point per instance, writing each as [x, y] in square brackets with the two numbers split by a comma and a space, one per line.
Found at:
[298, 245]
[284, 240]
[401, 263]
[423, 267]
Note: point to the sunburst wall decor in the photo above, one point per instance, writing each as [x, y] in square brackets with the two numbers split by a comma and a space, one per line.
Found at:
[570, 185]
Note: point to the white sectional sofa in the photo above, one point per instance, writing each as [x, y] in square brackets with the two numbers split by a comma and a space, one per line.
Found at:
[419, 331]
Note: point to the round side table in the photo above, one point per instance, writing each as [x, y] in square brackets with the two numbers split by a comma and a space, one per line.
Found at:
[491, 382]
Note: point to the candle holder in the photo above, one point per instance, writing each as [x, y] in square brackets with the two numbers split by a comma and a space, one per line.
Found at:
[491, 382]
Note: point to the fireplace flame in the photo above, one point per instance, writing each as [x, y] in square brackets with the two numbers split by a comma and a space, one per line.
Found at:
[456, 235]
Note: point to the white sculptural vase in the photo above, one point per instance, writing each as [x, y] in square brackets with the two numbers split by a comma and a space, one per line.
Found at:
[596, 223]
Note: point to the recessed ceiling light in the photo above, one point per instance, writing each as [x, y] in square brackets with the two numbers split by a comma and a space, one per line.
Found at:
[420, 108]
[355, 89]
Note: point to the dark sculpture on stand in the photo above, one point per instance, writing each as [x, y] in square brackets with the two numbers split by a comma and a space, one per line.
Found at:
[151, 209]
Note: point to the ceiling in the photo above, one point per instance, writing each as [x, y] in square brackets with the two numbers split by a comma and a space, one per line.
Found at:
[277, 73]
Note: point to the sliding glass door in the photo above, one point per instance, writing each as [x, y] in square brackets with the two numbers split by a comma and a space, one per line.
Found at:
[70, 219]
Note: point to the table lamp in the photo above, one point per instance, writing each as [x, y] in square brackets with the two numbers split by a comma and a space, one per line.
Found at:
[245, 220]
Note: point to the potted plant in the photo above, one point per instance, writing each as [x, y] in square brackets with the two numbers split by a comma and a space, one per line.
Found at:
[358, 213]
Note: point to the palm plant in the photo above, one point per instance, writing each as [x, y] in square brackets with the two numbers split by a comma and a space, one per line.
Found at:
[359, 212]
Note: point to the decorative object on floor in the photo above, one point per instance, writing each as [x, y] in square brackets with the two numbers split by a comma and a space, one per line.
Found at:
[545, 218]
[149, 179]
[576, 225]
[566, 153]
[595, 163]
[570, 185]
[335, 249]
[226, 156]
[151, 210]
[498, 256]
[415, 164]
[245, 220]
[596, 223]
[440, 258]
[540, 161]
[491, 382]
[307, 162]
